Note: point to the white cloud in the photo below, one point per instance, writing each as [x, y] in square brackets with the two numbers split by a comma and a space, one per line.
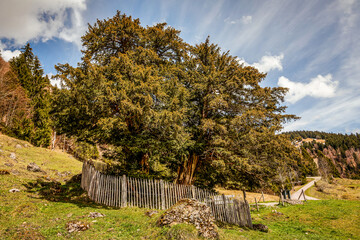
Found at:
[267, 63]
[41, 20]
[318, 87]
[8, 54]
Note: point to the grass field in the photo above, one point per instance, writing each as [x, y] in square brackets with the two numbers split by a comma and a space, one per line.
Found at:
[346, 189]
[46, 202]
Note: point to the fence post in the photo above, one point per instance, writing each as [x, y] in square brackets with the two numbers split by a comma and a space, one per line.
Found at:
[162, 190]
[193, 191]
[123, 191]
[257, 206]
[244, 193]
[225, 208]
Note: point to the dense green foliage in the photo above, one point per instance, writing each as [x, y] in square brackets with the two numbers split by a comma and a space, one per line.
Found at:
[35, 129]
[169, 109]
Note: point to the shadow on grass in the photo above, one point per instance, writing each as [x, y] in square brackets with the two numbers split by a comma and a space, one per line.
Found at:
[70, 192]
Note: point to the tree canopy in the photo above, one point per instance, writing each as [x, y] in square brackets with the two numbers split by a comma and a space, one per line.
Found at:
[191, 113]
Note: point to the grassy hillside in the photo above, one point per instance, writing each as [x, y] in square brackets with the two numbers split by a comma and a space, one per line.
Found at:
[46, 202]
[339, 188]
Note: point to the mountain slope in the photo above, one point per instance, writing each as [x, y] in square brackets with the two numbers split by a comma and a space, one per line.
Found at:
[339, 155]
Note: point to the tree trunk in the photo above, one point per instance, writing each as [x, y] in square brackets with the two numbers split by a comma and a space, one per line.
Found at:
[187, 170]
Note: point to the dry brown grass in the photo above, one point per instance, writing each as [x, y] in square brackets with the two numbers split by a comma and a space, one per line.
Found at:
[250, 196]
[339, 188]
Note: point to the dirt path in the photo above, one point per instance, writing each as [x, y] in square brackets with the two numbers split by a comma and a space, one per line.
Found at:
[296, 195]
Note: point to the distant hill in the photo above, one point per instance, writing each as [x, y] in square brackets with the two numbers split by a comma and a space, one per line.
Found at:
[339, 153]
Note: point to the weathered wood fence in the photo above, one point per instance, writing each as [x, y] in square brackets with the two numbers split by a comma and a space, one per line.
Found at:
[122, 191]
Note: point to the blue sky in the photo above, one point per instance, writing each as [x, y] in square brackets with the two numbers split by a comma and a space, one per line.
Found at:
[312, 47]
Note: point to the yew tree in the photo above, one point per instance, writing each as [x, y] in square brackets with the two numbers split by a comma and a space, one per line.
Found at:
[190, 113]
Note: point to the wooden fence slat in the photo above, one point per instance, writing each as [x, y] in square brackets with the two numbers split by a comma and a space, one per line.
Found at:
[162, 194]
[123, 191]
[137, 192]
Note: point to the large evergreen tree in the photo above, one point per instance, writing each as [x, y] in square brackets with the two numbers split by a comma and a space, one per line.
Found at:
[191, 112]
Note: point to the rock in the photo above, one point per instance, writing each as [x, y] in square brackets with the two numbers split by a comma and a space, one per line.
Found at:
[18, 146]
[9, 164]
[14, 190]
[12, 155]
[151, 213]
[260, 227]
[193, 212]
[33, 167]
[76, 226]
[276, 212]
[96, 215]
[25, 145]
[4, 172]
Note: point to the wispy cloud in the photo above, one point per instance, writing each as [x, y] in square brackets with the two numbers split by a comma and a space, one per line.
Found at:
[338, 114]
[243, 20]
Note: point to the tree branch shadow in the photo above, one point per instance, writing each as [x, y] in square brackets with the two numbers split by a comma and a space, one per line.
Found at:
[69, 192]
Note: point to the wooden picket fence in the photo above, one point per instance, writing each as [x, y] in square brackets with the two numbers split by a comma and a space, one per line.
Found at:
[122, 191]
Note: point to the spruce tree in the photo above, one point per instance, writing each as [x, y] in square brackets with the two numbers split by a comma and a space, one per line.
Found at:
[37, 86]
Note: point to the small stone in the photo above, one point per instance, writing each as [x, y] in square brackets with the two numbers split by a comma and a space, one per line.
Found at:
[59, 234]
[69, 215]
[18, 146]
[94, 221]
[151, 213]
[76, 226]
[14, 190]
[12, 155]
[260, 227]
[96, 215]
[9, 164]
[15, 172]
[33, 167]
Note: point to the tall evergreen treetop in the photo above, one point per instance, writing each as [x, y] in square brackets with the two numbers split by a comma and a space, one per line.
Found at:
[31, 76]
